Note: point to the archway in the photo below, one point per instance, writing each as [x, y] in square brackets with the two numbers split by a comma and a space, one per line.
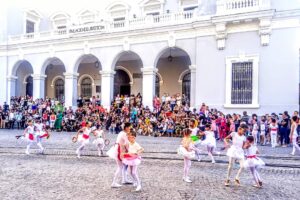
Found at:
[128, 78]
[54, 82]
[24, 82]
[171, 63]
[89, 80]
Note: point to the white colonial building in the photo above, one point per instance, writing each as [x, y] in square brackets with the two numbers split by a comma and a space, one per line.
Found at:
[231, 54]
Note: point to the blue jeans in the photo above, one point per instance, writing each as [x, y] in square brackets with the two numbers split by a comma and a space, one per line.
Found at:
[284, 135]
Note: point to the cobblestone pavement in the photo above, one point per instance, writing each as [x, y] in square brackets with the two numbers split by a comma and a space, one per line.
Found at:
[66, 177]
[60, 175]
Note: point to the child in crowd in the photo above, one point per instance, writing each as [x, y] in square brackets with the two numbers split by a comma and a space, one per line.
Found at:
[255, 131]
[262, 128]
[294, 135]
[273, 128]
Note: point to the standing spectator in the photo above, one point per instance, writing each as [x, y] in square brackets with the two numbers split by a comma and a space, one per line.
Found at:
[284, 130]
[58, 121]
[11, 119]
[245, 118]
[19, 117]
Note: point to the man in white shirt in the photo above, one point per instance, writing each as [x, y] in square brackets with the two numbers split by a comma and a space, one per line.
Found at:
[11, 119]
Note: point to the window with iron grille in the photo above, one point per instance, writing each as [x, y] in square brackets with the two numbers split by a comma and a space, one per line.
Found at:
[242, 83]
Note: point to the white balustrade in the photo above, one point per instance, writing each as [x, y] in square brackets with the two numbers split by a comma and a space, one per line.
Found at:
[241, 6]
[223, 7]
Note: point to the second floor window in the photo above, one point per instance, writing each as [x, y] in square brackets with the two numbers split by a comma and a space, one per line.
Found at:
[29, 26]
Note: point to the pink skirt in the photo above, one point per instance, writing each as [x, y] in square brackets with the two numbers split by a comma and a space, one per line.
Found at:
[132, 162]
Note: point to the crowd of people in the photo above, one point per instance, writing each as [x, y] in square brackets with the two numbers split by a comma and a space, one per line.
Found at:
[169, 117]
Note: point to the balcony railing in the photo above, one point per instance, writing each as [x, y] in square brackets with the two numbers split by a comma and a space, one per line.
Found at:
[106, 27]
[225, 7]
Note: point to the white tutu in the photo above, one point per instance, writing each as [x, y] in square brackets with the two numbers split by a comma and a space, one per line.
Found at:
[132, 162]
[235, 152]
[211, 142]
[98, 141]
[82, 139]
[113, 152]
[254, 162]
[183, 152]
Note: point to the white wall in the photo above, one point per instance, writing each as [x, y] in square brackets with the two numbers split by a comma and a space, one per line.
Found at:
[278, 69]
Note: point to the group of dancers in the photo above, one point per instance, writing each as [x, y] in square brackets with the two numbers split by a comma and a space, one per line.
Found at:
[127, 152]
[34, 133]
[242, 149]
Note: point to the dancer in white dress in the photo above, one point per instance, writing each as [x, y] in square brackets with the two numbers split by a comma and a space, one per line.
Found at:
[40, 132]
[83, 138]
[99, 140]
[187, 149]
[30, 136]
[116, 152]
[210, 141]
[253, 162]
[294, 135]
[133, 159]
[235, 152]
[195, 132]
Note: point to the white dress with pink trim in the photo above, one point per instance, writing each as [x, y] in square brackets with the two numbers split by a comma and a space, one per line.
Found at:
[252, 160]
[85, 136]
[30, 134]
[131, 158]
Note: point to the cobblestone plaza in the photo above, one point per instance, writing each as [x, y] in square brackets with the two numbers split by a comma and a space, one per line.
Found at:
[58, 174]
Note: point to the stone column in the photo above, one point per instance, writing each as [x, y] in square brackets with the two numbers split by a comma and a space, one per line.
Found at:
[11, 83]
[107, 87]
[71, 89]
[149, 74]
[193, 85]
[38, 86]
